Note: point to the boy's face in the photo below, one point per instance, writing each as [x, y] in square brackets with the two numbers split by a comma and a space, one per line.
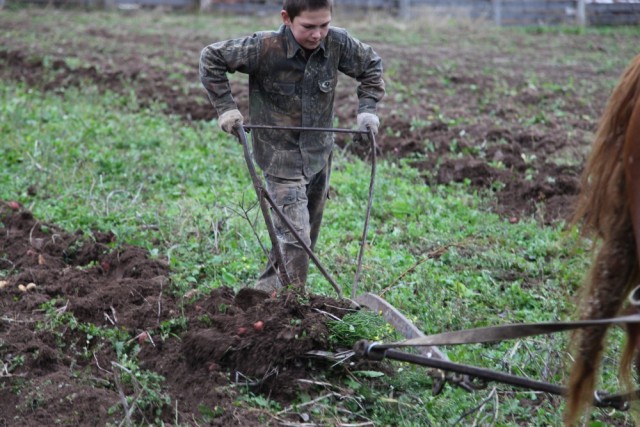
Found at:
[310, 27]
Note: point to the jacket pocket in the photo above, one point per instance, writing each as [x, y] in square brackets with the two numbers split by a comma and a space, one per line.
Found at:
[282, 88]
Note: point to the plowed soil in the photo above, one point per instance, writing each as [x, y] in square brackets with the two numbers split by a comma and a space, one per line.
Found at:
[203, 363]
[462, 111]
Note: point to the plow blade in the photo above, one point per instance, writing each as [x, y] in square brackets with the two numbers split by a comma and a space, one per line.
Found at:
[404, 326]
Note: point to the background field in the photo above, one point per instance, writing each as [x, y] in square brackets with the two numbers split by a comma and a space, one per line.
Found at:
[138, 217]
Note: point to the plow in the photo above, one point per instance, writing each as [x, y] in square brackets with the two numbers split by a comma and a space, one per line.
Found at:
[426, 351]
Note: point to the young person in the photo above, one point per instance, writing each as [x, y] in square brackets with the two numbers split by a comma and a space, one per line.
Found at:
[292, 81]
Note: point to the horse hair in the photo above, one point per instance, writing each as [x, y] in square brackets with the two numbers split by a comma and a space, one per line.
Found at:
[603, 211]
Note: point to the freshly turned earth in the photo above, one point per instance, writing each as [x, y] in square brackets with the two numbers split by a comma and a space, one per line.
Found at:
[103, 283]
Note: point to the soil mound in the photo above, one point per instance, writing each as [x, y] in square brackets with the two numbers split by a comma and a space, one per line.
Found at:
[76, 308]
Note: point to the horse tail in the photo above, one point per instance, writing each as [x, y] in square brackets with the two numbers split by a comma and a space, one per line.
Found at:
[608, 282]
[603, 209]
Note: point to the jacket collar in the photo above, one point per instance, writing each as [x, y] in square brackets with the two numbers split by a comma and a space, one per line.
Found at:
[293, 46]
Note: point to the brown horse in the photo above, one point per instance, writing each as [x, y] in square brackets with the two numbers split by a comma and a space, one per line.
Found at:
[609, 210]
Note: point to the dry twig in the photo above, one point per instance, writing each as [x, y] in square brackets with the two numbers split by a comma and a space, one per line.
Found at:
[477, 408]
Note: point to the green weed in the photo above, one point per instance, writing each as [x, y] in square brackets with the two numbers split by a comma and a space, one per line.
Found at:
[360, 325]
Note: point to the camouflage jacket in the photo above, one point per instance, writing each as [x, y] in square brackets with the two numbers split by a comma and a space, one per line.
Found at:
[287, 89]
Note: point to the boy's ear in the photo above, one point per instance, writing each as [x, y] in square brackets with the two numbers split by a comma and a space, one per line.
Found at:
[285, 17]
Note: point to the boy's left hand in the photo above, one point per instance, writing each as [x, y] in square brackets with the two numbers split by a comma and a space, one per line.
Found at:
[368, 121]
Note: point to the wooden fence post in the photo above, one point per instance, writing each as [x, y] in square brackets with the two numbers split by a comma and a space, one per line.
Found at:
[496, 5]
[581, 13]
[403, 9]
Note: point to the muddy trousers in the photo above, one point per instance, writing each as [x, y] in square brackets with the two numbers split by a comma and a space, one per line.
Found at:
[302, 201]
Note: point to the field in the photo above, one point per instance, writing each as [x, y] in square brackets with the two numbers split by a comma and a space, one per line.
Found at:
[135, 219]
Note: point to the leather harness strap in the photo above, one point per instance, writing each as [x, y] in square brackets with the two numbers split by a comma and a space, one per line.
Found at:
[505, 332]
[378, 351]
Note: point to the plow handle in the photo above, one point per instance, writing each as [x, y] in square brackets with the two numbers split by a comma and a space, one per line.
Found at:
[261, 192]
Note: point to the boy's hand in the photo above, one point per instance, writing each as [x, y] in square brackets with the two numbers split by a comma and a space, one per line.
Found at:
[368, 121]
[229, 119]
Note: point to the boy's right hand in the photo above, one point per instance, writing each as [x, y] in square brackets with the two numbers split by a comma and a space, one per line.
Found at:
[368, 121]
[229, 119]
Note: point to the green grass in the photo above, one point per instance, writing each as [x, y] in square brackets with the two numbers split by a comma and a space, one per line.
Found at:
[96, 161]
[181, 191]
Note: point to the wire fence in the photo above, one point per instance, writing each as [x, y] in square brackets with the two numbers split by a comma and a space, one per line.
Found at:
[500, 12]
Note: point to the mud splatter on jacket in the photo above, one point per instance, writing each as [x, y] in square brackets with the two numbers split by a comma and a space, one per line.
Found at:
[287, 89]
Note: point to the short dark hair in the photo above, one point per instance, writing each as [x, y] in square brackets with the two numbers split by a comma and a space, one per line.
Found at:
[296, 7]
